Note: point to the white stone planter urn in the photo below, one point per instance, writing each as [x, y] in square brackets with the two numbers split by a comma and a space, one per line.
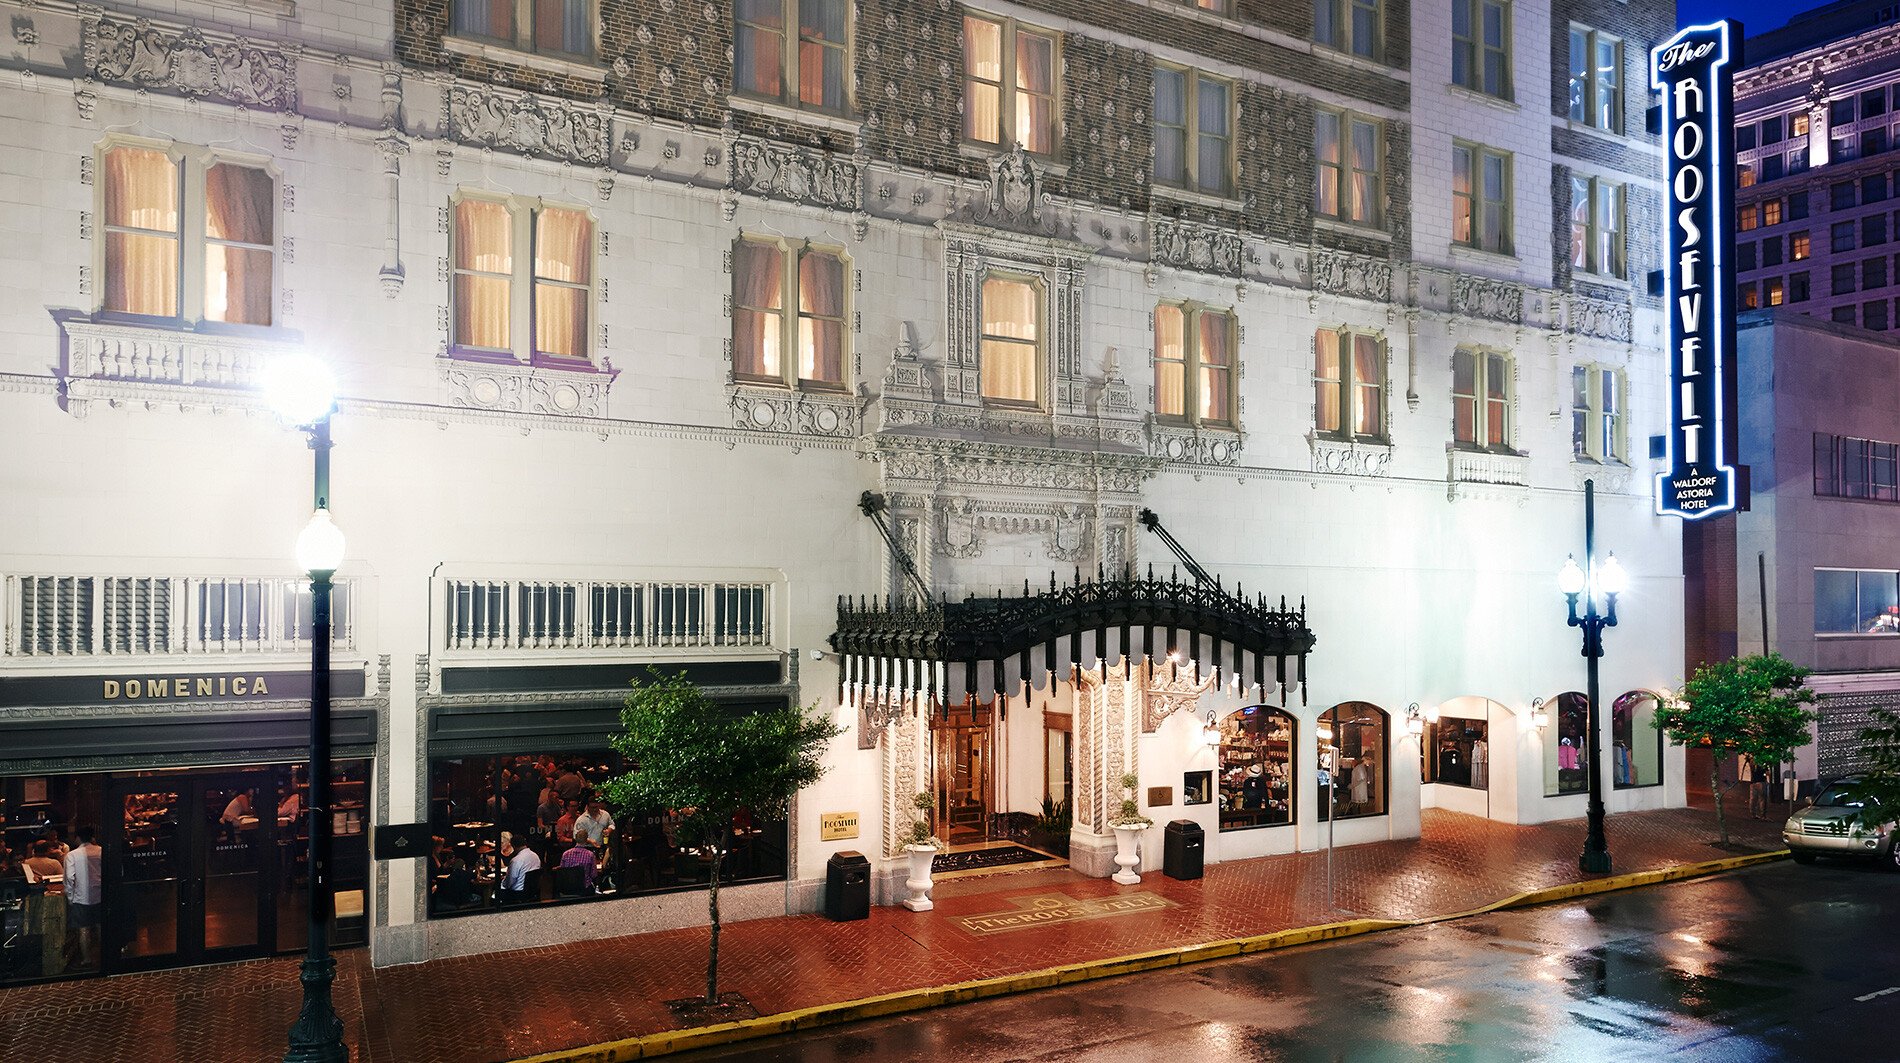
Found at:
[919, 881]
[1125, 855]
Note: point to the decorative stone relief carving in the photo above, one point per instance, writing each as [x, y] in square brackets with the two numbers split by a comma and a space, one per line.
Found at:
[527, 125]
[800, 413]
[1170, 687]
[1072, 534]
[1191, 245]
[901, 781]
[143, 56]
[1015, 197]
[1605, 320]
[515, 388]
[906, 377]
[961, 534]
[788, 173]
[978, 463]
[1104, 742]
[1486, 298]
[1358, 276]
[1610, 479]
[1350, 459]
[1192, 446]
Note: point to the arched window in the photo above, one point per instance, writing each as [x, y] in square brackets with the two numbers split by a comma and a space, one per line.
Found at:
[1356, 760]
[1635, 743]
[1567, 745]
[1256, 768]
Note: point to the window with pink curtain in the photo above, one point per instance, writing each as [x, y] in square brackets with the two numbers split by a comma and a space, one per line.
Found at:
[821, 54]
[563, 279]
[820, 317]
[484, 270]
[1011, 340]
[1170, 361]
[1036, 92]
[758, 310]
[1368, 380]
[142, 234]
[1215, 361]
[758, 47]
[239, 244]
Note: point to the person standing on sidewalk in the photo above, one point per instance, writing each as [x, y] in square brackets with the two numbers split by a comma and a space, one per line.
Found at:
[83, 900]
[1746, 774]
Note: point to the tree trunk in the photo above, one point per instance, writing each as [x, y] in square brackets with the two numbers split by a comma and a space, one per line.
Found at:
[1715, 787]
[712, 909]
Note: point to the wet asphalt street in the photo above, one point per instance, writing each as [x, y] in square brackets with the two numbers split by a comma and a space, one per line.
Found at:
[1762, 965]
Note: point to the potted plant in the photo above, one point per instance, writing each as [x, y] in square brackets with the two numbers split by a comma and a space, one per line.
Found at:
[1050, 832]
[1128, 824]
[922, 850]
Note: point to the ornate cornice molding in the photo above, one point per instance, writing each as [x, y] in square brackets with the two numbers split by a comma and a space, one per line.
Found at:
[511, 387]
[801, 413]
[928, 462]
[526, 124]
[1354, 458]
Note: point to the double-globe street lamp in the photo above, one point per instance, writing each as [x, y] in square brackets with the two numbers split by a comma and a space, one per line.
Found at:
[1588, 581]
[303, 393]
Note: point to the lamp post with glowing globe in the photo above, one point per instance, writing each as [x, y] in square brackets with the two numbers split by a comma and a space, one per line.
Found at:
[1587, 581]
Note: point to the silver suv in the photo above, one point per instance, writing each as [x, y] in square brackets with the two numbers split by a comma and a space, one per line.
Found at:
[1824, 828]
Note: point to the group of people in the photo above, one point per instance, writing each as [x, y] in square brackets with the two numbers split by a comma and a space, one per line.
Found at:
[552, 816]
[57, 891]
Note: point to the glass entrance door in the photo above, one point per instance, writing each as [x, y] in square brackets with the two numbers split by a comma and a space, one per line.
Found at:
[964, 744]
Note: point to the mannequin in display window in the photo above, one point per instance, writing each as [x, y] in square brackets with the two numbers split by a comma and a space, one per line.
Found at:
[1567, 756]
[1362, 782]
[1480, 764]
[1253, 789]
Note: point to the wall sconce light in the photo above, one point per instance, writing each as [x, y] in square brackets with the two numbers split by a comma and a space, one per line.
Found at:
[1211, 733]
[1540, 716]
[1414, 722]
[1324, 729]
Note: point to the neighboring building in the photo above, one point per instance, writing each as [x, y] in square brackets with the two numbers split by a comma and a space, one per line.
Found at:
[633, 304]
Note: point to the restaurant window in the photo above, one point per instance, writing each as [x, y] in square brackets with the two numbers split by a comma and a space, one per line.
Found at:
[807, 67]
[1256, 769]
[1847, 467]
[1567, 745]
[189, 236]
[1635, 743]
[1458, 753]
[1596, 413]
[40, 816]
[1481, 46]
[533, 815]
[1194, 364]
[1009, 84]
[1354, 759]
[1856, 602]
[1193, 130]
[1481, 198]
[1349, 25]
[1481, 386]
[1058, 783]
[770, 275]
[1348, 384]
[1347, 180]
[1596, 226]
[558, 27]
[1799, 247]
[1009, 361]
[497, 288]
[1596, 78]
[1774, 292]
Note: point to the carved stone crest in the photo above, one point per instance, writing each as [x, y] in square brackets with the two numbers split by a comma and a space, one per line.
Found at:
[1605, 320]
[1015, 194]
[1340, 273]
[1191, 245]
[143, 56]
[1486, 298]
[525, 125]
[787, 173]
[962, 534]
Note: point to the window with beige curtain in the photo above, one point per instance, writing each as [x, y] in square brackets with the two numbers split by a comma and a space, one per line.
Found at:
[1348, 384]
[769, 275]
[239, 244]
[1481, 399]
[1194, 364]
[807, 69]
[758, 310]
[1011, 342]
[1009, 84]
[552, 288]
[143, 241]
[820, 317]
[484, 272]
[563, 280]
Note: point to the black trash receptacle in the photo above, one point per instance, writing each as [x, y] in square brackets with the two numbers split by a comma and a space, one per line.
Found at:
[847, 886]
[1184, 850]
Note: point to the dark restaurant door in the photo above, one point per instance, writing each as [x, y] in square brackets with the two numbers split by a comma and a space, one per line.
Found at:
[189, 869]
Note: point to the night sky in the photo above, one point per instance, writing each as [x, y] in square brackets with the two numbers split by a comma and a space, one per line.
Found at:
[1754, 15]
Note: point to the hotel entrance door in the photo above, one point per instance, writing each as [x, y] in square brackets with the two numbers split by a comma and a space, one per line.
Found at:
[190, 869]
[964, 744]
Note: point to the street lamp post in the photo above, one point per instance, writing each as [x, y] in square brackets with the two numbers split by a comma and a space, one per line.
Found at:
[1587, 582]
[304, 396]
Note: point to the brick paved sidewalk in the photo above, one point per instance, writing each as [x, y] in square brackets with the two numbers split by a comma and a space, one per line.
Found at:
[513, 1004]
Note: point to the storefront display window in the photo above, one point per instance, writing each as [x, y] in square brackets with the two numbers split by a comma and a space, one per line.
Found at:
[1635, 743]
[1256, 768]
[1354, 760]
[524, 829]
[1567, 746]
[1460, 753]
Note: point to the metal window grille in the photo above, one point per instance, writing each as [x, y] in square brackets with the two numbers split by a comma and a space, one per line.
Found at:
[77, 615]
[585, 615]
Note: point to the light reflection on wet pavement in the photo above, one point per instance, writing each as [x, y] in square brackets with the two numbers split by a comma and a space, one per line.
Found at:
[1758, 966]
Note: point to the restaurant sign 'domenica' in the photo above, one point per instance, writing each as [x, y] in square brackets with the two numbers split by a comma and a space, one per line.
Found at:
[1692, 72]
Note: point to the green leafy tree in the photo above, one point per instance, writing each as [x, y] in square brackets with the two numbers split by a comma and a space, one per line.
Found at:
[1756, 705]
[1880, 782]
[708, 764]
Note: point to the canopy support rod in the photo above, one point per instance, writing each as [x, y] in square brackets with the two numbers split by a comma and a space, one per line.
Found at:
[1153, 523]
[873, 505]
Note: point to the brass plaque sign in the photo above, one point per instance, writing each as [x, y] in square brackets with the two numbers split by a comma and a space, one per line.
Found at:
[837, 826]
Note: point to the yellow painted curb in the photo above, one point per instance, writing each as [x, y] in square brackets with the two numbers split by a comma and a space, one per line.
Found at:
[668, 1042]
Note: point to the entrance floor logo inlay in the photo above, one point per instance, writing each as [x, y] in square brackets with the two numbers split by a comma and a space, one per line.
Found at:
[1044, 909]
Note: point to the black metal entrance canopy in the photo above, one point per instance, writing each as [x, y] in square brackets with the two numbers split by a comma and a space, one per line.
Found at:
[944, 648]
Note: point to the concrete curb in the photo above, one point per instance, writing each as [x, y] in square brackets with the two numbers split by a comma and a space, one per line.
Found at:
[668, 1042]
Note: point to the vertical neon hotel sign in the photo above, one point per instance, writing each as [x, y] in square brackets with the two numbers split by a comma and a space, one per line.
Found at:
[1692, 71]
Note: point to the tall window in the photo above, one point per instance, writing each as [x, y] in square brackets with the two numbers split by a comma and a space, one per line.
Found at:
[1481, 399]
[1348, 384]
[188, 236]
[1257, 768]
[1635, 743]
[1349, 25]
[1348, 184]
[1010, 359]
[1481, 46]
[1847, 467]
[496, 289]
[1193, 131]
[1596, 79]
[1355, 759]
[769, 276]
[1194, 364]
[1009, 84]
[1596, 413]
[805, 68]
[1567, 745]
[564, 27]
[1481, 198]
[1596, 226]
[1856, 602]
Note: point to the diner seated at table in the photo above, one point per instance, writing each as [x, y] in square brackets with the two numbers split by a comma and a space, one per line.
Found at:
[454, 885]
[579, 855]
